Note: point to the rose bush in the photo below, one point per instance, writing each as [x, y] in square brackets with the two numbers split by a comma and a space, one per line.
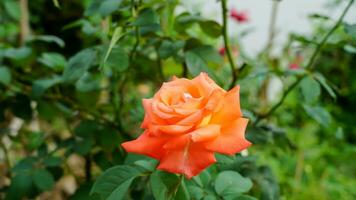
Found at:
[187, 121]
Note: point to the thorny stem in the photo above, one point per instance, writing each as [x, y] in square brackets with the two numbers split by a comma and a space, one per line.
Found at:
[234, 70]
[308, 66]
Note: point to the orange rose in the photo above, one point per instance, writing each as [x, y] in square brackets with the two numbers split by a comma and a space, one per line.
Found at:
[187, 121]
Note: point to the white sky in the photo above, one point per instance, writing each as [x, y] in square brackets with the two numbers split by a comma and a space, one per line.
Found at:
[292, 17]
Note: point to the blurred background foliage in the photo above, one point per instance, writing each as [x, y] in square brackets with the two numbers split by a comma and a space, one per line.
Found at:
[73, 73]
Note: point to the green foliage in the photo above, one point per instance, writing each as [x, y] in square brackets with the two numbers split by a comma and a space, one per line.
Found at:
[230, 184]
[5, 75]
[310, 89]
[114, 183]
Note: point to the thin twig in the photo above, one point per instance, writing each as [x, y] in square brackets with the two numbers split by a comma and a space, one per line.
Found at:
[6, 154]
[272, 26]
[308, 66]
[160, 67]
[184, 70]
[24, 21]
[234, 70]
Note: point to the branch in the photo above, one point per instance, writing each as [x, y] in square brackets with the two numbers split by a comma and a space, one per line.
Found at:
[234, 71]
[331, 31]
[272, 26]
[308, 66]
[24, 21]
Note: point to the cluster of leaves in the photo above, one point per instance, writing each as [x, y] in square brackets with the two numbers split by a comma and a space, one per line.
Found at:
[73, 73]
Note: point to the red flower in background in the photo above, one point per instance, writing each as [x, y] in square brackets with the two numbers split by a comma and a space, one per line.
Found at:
[296, 64]
[239, 16]
[234, 51]
[222, 51]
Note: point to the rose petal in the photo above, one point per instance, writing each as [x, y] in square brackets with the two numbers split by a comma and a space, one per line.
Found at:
[161, 113]
[230, 108]
[189, 160]
[172, 129]
[205, 84]
[192, 119]
[146, 145]
[206, 133]
[150, 116]
[215, 100]
[231, 139]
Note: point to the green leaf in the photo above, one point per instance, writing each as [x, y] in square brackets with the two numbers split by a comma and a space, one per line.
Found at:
[52, 161]
[35, 140]
[102, 7]
[225, 159]
[86, 128]
[182, 193]
[21, 185]
[108, 138]
[114, 182]
[43, 180]
[83, 146]
[350, 29]
[54, 61]
[82, 193]
[5, 75]
[211, 28]
[149, 165]
[350, 49]
[196, 192]
[167, 186]
[48, 39]
[158, 187]
[196, 64]
[55, 2]
[148, 21]
[231, 184]
[169, 48]
[78, 65]
[117, 61]
[88, 82]
[109, 6]
[24, 165]
[40, 86]
[209, 54]
[186, 20]
[93, 7]
[245, 197]
[115, 37]
[146, 17]
[12, 8]
[18, 53]
[310, 89]
[321, 79]
[319, 114]
[203, 179]
[210, 197]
